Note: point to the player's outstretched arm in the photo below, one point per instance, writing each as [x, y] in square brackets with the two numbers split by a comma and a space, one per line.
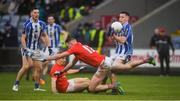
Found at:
[70, 65]
[73, 71]
[57, 56]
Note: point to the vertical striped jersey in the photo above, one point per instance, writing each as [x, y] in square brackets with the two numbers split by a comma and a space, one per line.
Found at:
[54, 34]
[33, 31]
[126, 48]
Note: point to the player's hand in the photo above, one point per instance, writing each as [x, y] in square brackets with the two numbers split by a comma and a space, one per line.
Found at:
[27, 52]
[82, 68]
[57, 73]
[50, 50]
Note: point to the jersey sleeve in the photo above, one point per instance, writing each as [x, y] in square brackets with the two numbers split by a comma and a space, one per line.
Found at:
[43, 27]
[46, 29]
[128, 31]
[24, 30]
[60, 29]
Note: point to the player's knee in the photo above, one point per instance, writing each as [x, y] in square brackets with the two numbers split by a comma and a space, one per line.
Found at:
[25, 66]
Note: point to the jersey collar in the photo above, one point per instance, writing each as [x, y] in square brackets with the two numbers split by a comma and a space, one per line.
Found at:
[33, 21]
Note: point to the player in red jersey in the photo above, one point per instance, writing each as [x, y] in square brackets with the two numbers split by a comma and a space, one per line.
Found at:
[104, 64]
[61, 83]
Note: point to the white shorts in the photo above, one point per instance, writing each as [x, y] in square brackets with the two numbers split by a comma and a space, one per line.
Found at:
[107, 63]
[105, 66]
[71, 86]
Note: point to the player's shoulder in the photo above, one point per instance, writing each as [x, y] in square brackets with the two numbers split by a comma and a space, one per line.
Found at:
[47, 26]
[42, 22]
[58, 26]
[27, 22]
[129, 26]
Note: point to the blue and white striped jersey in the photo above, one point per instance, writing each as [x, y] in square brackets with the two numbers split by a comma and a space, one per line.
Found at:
[54, 34]
[33, 31]
[126, 48]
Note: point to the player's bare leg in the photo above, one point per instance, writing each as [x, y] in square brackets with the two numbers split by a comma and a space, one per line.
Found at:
[95, 83]
[119, 65]
[37, 75]
[44, 72]
[81, 84]
[26, 64]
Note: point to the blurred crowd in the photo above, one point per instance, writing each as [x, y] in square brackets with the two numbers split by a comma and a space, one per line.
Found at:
[66, 9]
[63, 10]
[90, 33]
[9, 36]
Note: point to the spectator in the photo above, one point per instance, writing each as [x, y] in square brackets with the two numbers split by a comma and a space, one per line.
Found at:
[26, 6]
[154, 38]
[11, 35]
[78, 34]
[86, 30]
[4, 4]
[97, 37]
[13, 7]
[163, 44]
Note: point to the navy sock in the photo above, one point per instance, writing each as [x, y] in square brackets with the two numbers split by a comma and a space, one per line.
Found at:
[36, 85]
[17, 82]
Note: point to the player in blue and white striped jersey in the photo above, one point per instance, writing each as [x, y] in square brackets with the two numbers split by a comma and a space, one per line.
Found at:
[124, 49]
[123, 40]
[33, 33]
[54, 30]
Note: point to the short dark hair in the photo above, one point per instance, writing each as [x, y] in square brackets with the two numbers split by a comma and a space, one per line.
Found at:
[51, 15]
[124, 12]
[34, 8]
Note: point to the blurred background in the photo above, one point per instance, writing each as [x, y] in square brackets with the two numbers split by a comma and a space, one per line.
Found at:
[82, 17]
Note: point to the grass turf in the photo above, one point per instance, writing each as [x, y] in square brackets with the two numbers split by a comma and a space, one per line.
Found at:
[137, 87]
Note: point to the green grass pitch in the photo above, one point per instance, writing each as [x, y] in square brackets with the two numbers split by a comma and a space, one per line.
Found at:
[137, 87]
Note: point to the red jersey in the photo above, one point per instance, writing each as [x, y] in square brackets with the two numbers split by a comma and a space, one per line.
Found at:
[86, 54]
[61, 82]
